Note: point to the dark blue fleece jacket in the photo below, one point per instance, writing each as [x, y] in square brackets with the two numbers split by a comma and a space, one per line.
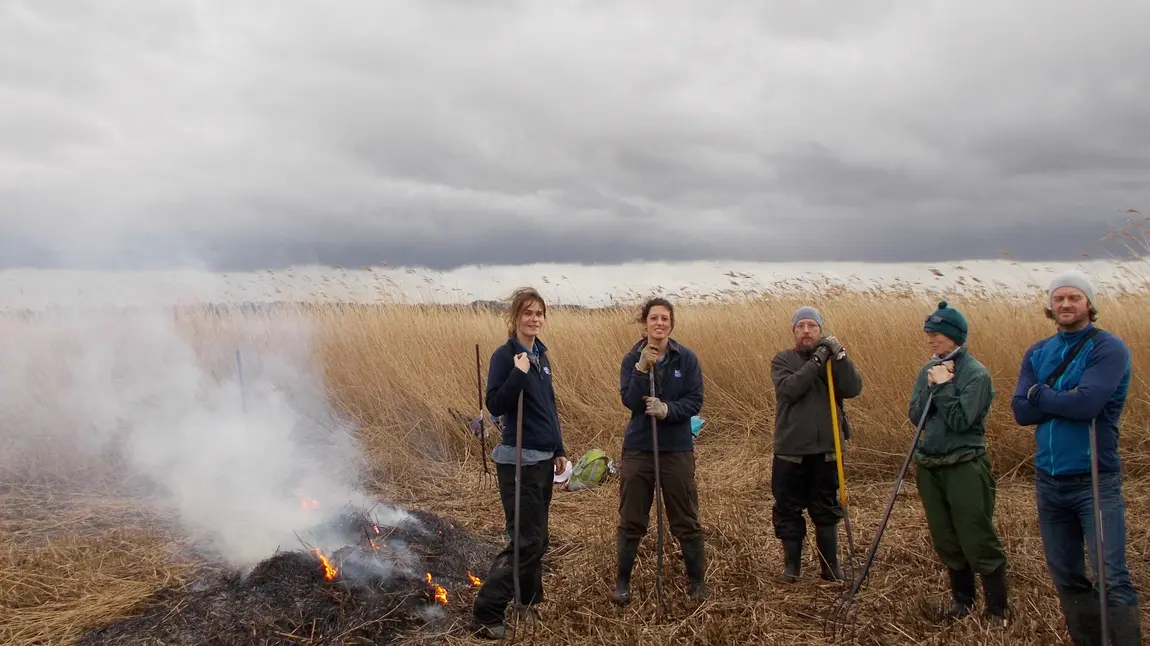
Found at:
[1092, 389]
[678, 383]
[540, 415]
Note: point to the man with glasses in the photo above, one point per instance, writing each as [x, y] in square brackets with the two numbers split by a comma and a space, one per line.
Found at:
[1076, 379]
[804, 474]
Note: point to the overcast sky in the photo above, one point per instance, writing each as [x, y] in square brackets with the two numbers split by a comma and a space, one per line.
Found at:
[440, 133]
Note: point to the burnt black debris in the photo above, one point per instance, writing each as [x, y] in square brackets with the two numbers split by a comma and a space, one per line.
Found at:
[379, 589]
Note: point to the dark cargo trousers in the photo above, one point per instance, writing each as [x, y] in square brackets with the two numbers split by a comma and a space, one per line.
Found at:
[534, 505]
[812, 485]
[680, 493]
[959, 504]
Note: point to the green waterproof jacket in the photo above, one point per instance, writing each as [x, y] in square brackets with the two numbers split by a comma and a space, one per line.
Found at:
[955, 429]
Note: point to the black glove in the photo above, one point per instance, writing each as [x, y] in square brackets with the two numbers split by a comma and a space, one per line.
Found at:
[832, 344]
[1032, 393]
[821, 354]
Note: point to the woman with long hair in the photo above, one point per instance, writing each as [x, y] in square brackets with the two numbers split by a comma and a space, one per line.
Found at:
[677, 398]
[518, 369]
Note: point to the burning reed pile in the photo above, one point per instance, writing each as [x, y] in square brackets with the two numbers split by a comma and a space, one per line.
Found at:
[387, 579]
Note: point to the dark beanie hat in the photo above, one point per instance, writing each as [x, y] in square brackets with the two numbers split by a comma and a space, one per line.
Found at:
[947, 321]
[806, 312]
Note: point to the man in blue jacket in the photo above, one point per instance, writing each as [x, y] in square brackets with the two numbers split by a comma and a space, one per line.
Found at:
[1091, 390]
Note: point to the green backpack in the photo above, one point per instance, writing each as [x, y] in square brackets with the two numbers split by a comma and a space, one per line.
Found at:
[592, 470]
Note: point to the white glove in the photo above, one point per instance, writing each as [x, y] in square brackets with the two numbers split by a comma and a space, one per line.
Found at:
[656, 408]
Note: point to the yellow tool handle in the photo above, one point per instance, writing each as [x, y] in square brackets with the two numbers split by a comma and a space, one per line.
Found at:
[835, 424]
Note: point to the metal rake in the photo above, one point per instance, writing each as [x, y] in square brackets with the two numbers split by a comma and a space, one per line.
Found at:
[518, 609]
[519, 616]
[841, 617]
[488, 480]
[658, 506]
[1099, 537]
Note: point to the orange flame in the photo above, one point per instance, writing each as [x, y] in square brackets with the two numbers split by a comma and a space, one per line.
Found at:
[308, 504]
[440, 591]
[329, 570]
[373, 545]
[475, 582]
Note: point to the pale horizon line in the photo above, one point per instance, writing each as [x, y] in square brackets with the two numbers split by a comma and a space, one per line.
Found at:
[561, 283]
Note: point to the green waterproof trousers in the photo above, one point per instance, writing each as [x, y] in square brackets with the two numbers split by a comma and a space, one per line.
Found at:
[959, 504]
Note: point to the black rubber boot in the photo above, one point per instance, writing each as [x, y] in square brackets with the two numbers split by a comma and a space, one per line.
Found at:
[627, 549]
[694, 563]
[962, 592]
[1125, 626]
[793, 558]
[1082, 620]
[994, 593]
[827, 541]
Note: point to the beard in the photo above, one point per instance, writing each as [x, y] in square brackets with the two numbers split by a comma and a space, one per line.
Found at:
[1078, 318]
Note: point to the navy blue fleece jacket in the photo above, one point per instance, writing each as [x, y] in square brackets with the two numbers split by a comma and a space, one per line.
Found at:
[1092, 390]
[540, 415]
[678, 383]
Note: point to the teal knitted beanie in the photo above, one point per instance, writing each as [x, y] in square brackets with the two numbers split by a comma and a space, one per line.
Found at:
[947, 321]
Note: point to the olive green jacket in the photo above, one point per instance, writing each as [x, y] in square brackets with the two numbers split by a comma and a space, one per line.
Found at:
[955, 429]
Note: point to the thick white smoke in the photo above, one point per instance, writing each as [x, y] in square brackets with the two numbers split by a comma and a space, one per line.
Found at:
[164, 400]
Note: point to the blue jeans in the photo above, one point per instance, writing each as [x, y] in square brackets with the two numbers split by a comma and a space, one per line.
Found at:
[1066, 520]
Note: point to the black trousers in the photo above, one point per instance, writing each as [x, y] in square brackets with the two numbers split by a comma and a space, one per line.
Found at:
[680, 493]
[812, 486]
[534, 505]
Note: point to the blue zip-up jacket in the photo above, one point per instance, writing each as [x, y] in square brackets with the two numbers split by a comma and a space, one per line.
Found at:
[1093, 388]
[541, 430]
[678, 383]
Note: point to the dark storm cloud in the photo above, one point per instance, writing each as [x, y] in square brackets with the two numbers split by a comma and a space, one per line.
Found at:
[447, 133]
[490, 248]
[917, 242]
[823, 178]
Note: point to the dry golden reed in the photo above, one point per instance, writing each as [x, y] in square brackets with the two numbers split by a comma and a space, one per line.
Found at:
[407, 374]
[403, 370]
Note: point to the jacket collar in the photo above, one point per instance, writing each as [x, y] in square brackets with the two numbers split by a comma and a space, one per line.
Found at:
[1072, 337]
[516, 345]
[955, 355]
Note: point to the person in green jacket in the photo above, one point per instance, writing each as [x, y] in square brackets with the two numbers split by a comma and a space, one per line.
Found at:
[952, 469]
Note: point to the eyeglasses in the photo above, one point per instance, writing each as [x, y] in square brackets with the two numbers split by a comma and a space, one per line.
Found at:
[933, 318]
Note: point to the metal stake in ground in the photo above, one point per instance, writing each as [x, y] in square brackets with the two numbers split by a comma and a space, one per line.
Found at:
[842, 476]
[1099, 537]
[658, 503]
[482, 433]
[240, 375]
[843, 611]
